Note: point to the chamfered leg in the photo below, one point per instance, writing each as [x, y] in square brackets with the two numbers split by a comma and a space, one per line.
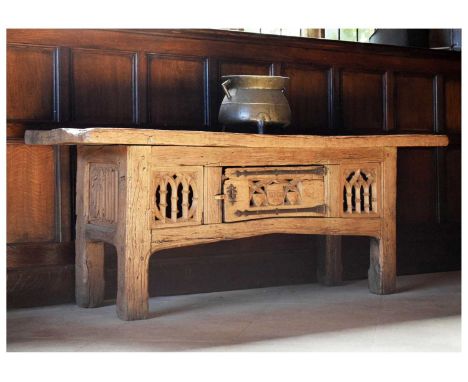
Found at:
[133, 241]
[89, 273]
[329, 267]
[89, 255]
[382, 269]
[132, 292]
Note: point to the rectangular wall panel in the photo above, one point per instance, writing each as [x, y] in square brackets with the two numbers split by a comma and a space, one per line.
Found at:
[414, 103]
[453, 106]
[30, 193]
[103, 86]
[177, 93]
[31, 85]
[453, 184]
[362, 101]
[227, 68]
[417, 187]
[308, 98]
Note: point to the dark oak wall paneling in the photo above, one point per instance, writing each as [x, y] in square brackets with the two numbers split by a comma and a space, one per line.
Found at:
[417, 187]
[452, 168]
[30, 193]
[362, 101]
[171, 79]
[227, 68]
[414, 105]
[453, 185]
[177, 91]
[31, 83]
[453, 106]
[309, 98]
[104, 87]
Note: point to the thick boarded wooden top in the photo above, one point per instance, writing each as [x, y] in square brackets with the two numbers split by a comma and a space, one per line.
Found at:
[125, 136]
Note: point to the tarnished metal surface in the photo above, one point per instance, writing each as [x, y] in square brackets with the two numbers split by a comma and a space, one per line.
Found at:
[256, 100]
[316, 171]
[321, 209]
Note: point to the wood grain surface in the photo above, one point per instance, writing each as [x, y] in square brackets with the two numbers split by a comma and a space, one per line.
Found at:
[30, 194]
[122, 136]
[49, 86]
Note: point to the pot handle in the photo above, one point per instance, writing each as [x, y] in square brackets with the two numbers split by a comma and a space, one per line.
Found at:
[225, 84]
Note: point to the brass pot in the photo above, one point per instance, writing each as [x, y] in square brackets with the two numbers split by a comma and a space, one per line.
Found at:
[258, 100]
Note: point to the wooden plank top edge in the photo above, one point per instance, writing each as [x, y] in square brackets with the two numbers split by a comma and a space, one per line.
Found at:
[128, 136]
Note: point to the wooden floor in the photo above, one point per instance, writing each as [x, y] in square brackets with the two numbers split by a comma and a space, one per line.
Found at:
[425, 315]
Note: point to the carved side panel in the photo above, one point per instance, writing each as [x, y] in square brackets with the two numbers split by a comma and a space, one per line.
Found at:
[177, 196]
[103, 194]
[261, 192]
[360, 185]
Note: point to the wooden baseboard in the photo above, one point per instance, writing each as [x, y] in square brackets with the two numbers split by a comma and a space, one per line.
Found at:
[34, 255]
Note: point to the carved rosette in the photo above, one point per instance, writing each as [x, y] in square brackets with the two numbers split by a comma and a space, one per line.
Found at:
[177, 198]
[360, 190]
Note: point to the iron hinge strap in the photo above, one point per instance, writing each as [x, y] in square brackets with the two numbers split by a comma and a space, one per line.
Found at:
[321, 171]
[321, 209]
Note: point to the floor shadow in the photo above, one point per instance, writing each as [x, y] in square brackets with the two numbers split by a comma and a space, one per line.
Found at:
[241, 317]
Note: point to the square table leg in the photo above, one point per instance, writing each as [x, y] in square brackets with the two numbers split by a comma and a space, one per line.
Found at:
[133, 241]
[382, 269]
[89, 255]
[89, 273]
[329, 264]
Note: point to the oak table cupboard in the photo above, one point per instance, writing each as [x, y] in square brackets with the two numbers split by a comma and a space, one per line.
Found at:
[147, 190]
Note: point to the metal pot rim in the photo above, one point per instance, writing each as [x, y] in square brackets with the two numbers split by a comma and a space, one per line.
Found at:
[255, 82]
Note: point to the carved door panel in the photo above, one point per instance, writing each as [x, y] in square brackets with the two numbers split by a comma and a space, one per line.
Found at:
[262, 192]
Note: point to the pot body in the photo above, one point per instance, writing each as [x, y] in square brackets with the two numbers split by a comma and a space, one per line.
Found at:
[255, 100]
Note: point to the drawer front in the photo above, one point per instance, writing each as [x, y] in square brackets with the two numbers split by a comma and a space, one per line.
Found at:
[263, 192]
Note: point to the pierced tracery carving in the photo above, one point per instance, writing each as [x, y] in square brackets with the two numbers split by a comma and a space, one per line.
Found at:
[360, 191]
[177, 197]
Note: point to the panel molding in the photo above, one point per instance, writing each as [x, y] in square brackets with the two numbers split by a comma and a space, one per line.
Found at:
[152, 56]
[358, 102]
[133, 76]
[417, 189]
[31, 193]
[389, 101]
[53, 52]
[222, 60]
[327, 107]
[452, 105]
[414, 115]
[62, 201]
